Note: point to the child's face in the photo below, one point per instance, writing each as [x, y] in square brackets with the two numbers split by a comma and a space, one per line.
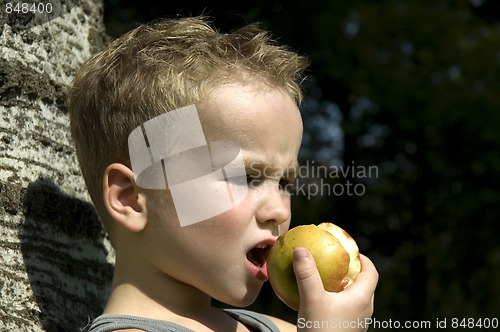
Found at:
[215, 256]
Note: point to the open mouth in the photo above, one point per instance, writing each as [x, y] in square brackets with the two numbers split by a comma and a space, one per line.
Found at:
[258, 255]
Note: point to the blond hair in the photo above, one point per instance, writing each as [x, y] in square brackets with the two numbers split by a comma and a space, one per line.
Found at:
[160, 67]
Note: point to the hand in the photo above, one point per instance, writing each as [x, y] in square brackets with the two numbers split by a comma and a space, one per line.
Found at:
[346, 309]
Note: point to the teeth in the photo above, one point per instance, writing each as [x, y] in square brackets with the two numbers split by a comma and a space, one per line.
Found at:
[261, 246]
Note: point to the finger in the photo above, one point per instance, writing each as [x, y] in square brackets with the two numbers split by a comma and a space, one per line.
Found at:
[308, 279]
[367, 280]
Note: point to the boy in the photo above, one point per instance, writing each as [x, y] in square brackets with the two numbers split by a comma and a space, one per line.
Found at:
[187, 138]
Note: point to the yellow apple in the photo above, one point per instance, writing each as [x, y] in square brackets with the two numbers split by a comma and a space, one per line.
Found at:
[335, 252]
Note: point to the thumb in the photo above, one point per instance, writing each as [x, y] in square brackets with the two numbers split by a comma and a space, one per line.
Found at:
[309, 282]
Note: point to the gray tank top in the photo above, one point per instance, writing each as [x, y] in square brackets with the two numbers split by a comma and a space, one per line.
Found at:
[111, 322]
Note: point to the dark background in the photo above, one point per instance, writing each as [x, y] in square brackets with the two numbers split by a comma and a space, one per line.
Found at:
[411, 87]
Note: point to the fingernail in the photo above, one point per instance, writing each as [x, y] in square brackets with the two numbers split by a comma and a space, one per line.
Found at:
[300, 253]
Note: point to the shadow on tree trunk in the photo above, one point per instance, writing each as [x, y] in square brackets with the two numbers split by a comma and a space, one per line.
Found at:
[65, 257]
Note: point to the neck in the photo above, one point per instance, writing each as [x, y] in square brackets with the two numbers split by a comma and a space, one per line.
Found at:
[140, 290]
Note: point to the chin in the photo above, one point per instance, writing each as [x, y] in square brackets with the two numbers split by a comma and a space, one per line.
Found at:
[241, 301]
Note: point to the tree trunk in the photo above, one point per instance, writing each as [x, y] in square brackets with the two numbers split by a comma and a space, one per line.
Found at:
[55, 260]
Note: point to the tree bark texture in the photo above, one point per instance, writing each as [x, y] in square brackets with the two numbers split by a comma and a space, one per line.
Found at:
[55, 260]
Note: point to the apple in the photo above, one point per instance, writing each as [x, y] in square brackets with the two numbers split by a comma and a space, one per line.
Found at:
[335, 252]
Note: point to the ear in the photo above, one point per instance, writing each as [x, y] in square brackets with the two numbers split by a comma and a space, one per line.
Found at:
[122, 199]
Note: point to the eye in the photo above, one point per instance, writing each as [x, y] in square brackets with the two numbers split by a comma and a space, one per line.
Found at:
[287, 185]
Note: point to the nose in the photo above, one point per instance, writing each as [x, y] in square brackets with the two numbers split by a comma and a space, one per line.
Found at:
[274, 206]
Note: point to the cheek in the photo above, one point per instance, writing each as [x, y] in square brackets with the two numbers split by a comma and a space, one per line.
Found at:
[235, 219]
[226, 228]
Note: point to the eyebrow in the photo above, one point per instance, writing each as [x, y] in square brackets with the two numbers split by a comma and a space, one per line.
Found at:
[259, 166]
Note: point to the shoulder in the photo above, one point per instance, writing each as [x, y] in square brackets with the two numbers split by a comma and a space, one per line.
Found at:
[282, 325]
[119, 322]
[259, 321]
